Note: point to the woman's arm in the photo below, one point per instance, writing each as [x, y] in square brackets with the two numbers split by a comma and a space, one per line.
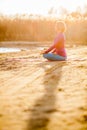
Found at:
[54, 50]
[49, 49]
[56, 42]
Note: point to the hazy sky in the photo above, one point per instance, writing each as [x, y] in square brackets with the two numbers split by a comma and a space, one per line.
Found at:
[38, 6]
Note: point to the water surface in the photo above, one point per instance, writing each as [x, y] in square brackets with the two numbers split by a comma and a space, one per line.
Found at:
[5, 49]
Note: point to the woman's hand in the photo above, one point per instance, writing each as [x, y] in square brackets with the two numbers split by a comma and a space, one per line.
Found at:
[43, 52]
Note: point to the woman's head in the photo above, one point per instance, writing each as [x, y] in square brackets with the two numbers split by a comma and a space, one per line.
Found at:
[60, 26]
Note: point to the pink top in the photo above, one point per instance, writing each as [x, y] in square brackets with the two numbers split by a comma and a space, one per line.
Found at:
[58, 46]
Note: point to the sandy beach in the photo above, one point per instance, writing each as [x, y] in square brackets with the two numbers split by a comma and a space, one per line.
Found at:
[36, 94]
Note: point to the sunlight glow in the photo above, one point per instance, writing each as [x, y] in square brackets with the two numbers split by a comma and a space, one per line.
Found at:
[38, 6]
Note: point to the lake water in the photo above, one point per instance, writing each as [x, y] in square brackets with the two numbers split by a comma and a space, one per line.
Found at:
[5, 50]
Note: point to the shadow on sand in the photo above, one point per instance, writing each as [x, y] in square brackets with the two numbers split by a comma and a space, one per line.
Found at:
[46, 105]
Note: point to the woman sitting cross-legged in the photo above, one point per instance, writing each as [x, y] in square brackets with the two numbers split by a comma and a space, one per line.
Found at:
[57, 50]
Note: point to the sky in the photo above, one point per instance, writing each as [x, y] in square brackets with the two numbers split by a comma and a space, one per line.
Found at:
[40, 7]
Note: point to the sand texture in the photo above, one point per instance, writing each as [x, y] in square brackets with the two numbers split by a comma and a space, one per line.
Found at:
[36, 94]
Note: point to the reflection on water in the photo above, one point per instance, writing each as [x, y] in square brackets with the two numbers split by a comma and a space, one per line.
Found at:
[5, 49]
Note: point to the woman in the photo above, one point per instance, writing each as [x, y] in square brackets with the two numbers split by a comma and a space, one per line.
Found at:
[57, 51]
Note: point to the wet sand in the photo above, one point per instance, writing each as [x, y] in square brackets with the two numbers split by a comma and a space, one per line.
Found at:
[36, 94]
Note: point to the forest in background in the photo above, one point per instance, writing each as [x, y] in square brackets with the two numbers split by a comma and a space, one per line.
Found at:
[41, 29]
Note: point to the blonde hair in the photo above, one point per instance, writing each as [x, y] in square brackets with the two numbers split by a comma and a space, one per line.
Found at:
[61, 26]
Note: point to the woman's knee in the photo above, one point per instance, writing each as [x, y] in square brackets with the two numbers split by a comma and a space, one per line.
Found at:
[45, 55]
[48, 56]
